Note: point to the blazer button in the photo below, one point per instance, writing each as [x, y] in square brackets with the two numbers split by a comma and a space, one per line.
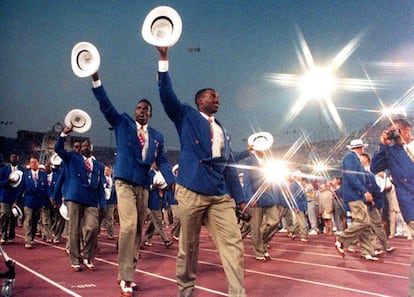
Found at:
[197, 141]
[405, 180]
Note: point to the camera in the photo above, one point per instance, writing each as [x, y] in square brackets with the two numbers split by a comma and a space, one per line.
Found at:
[242, 216]
[393, 134]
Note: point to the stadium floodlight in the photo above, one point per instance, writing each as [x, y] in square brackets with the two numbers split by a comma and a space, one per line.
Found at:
[318, 83]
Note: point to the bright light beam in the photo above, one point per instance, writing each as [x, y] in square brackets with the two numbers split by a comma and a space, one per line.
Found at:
[319, 83]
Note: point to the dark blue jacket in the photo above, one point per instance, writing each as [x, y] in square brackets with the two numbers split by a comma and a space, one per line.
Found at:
[199, 171]
[7, 192]
[76, 184]
[129, 165]
[354, 179]
[33, 193]
[396, 159]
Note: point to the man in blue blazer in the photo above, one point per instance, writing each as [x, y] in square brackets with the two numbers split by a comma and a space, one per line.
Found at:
[138, 147]
[7, 197]
[396, 153]
[84, 196]
[33, 190]
[357, 195]
[206, 188]
[265, 211]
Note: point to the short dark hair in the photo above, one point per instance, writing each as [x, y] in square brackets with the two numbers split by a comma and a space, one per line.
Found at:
[200, 93]
[145, 101]
[366, 156]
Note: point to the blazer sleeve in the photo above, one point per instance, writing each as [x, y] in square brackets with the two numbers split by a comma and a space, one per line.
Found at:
[172, 106]
[379, 160]
[105, 105]
[352, 170]
[60, 149]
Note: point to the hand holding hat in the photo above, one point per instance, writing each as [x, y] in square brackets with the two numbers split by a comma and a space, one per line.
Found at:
[78, 121]
[85, 59]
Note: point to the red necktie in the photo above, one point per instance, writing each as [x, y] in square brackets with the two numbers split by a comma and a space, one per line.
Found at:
[88, 165]
[35, 178]
[141, 136]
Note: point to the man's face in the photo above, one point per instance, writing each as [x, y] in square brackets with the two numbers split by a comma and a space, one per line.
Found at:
[77, 147]
[143, 113]
[405, 133]
[86, 149]
[364, 160]
[34, 164]
[359, 150]
[14, 159]
[209, 102]
[107, 171]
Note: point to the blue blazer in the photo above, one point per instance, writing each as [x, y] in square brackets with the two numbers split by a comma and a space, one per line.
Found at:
[76, 185]
[374, 189]
[7, 192]
[54, 183]
[354, 179]
[129, 165]
[253, 179]
[58, 189]
[395, 158]
[34, 194]
[199, 171]
[299, 195]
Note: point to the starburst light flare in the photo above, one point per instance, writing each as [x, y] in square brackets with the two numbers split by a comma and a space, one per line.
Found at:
[320, 82]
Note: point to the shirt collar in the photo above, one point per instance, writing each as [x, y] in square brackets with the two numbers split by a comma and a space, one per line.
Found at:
[145, 127]
[206, 116]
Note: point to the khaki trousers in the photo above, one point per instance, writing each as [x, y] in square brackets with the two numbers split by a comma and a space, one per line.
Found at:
[5, 217]
[272, 221]
[82, 219]
[155, 226]
[219, 212]
[375, 216]
[46, 223]
[265, 220]
[28, 224]
[359, 230]
[132, 205]
[176, 220]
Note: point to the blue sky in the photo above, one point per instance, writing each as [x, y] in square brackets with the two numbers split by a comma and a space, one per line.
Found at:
[241, 42]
